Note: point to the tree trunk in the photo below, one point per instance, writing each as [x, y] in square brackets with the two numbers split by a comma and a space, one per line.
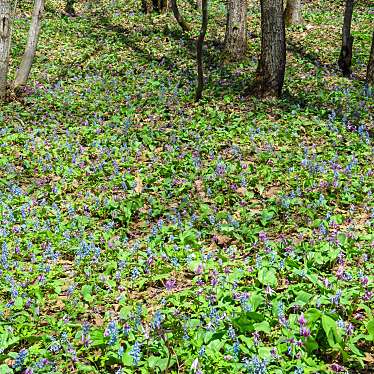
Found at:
[345, 59]
[199, 5]
[5, 36]
[32, 41]
[236, 29]
[271, 68]
[69, 7]
[164, 5]
[160, 5]
[182, 23]
[147, 6]
[292, 13]
[370, 69]
[199, 51]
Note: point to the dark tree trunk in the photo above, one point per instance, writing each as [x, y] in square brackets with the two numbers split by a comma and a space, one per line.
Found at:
[147, 6]
[370, 69]
[182, 23]
[160, 5]
[292, 13]
[271, 68]
[69, 7]
[199, 51]
[164, 5]
[236, 29]
[345, 59]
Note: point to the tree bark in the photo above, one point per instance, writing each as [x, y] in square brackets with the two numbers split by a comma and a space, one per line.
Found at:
[32, 41]
[199, 51]
[147, 6]
[236, 29]
[158, 6]
[164, 5]
[69, 7]
[182, 23]
[370, 69]
[5, 38]
[271, 68]
[345, 59]
[292, 13]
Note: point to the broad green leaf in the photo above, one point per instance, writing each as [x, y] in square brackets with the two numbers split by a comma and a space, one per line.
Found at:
[268, 276]
[331, 331]
[370, 328]
[5, 369]
[303, 297]
[262, 326]
[86, 293]
[214, 347]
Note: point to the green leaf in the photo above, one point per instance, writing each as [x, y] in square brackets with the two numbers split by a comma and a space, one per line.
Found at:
[264, 353]
[6, 340]
[262, 326]
[86, 368]
[370, 328]
[268, 277]
[311, 344]
[259, 317]
[5, 369]
[331, 331]
[18, 303]
[160, 362]
[256, 301]
[97, 337]
[127, 359]
[303, 298]
[247, 341]
[313, 315]
[214, 347]
[86, 292]
[354, 349]
[267, 216]
[187, 237]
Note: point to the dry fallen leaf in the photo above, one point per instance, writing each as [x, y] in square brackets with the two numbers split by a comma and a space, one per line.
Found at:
[369, 358]
[271, 191]
[139, 184]
[241, 191]
[10, 362]
[59, 304]
[199, 185]
[223, 239]
[98, 320]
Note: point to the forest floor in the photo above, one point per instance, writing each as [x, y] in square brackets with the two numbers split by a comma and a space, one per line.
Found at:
[142, 232]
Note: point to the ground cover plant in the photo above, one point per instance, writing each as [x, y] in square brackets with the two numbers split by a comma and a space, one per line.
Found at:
[142, 232]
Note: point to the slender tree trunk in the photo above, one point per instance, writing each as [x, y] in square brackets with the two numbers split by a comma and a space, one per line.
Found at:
[32, 41]
[182, 23]
[5, 36]
[69, 7]
[345, 59]
[199, 5]
[164, 5]
[159, 6]
[292, 13]
[199, 51]
[236, 29]
[370, 69]
[271, 68]
[147, 6]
